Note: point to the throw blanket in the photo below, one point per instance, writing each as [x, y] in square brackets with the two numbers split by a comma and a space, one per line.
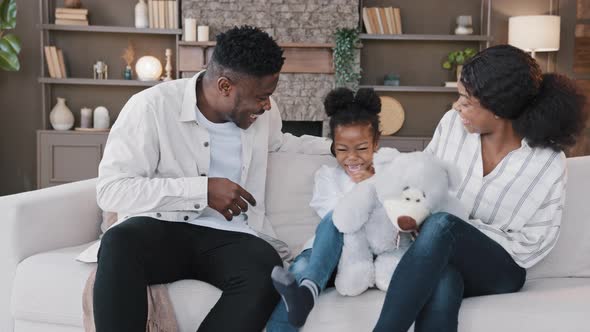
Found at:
[161, 316]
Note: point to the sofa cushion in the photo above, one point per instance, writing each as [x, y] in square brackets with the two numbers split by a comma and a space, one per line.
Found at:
[569, 257]
[289, 188]
[48, 288]
[544, 305]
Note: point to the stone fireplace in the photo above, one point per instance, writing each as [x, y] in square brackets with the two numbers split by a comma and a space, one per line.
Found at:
[306, 27]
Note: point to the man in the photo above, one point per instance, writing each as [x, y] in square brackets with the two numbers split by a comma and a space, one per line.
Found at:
[185, 166]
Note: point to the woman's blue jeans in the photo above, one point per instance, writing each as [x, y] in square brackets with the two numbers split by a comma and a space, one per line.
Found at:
[316, 264]
[450, 260]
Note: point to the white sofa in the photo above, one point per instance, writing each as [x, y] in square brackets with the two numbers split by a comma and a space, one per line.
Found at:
[41, 283]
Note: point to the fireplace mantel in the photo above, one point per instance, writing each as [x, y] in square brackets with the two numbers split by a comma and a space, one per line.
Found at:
[303, 58]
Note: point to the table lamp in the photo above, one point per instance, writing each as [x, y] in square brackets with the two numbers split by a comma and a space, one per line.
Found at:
[534, 33]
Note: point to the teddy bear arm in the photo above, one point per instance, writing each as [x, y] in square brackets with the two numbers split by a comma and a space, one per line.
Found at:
[454, 206]
[353, 210]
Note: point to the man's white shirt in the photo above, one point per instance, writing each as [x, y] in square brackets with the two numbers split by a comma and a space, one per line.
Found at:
[157, 158]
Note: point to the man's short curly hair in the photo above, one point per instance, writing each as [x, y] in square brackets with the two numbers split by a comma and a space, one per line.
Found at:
[247, 50]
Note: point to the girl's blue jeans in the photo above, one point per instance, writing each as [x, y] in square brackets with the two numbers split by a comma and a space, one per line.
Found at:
[450, 260]
[316, 264]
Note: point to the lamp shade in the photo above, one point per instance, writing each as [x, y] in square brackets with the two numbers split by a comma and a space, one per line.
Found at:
[535, 33]
[148, 68]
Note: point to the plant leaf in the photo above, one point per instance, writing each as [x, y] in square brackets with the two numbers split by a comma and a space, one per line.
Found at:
[9, 49]
[9, 61]
[446, 65]
[7, 14]
[12, 41]
[460, 59]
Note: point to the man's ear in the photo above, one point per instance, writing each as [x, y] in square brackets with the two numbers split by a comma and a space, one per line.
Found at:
[384, 156]
[224, 85]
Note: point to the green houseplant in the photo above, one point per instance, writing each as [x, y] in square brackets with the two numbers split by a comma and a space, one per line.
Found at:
[347, 41]
[456, 59]
[9, 43]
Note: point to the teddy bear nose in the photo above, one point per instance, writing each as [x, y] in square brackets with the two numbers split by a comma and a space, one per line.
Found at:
[407, 223]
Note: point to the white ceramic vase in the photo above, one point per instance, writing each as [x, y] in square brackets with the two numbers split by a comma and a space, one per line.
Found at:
[102, 119]
[141, 15]
[61, 117]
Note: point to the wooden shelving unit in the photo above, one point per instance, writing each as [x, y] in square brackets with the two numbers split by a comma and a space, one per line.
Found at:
[417, 54]
[104, 39]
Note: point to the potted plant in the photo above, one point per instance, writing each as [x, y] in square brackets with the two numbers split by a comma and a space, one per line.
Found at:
[9, 43]
[456, 59]
[347, 40]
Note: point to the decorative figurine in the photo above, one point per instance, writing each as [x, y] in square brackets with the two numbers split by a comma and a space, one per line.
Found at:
[168, 66]
[464, 25]
[101, 70]
[128, 56]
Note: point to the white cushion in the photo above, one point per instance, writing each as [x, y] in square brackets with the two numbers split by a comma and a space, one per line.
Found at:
[48, 289]
[289, 188]
[569, 257]
[544, 305]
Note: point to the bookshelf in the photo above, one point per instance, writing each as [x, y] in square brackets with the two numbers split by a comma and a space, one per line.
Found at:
[66, 156]
[416, 56]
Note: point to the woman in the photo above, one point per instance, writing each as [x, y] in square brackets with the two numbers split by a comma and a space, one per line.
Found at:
[506, 134]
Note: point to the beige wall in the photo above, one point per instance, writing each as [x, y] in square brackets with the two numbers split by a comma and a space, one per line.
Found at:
[20, 108]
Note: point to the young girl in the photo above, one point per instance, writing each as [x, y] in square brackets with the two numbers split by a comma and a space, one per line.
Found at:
[354, 129]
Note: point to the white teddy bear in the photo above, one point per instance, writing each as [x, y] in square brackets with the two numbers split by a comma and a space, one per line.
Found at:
[381, 214]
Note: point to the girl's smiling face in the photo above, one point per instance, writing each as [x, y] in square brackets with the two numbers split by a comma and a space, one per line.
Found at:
[354, 146]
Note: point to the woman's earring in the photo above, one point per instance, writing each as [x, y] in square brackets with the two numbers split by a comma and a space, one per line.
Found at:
[496, 117]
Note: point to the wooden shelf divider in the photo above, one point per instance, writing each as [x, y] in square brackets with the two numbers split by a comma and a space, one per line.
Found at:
[90, 81]
[110, 29]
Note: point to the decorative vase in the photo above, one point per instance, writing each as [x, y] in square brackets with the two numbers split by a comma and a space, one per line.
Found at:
[141, 15]
[459, 69]
[72, 3]
[86, 117]
[61, 117]
[101, 118]
[464, 25]
[128, 74]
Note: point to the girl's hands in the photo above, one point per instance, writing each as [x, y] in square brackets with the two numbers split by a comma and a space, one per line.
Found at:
[362, 174]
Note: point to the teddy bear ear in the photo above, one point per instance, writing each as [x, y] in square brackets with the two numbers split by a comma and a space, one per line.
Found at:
[384, 156]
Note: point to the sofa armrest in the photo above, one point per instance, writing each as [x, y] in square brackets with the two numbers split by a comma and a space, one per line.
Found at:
[51, 218]
[43, 220]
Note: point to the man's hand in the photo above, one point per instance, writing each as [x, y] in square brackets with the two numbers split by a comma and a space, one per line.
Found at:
[227, 197]
[362, 175]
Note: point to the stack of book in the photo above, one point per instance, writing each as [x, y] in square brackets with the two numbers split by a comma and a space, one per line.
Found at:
[71, 16]
[163, 14]
[55, 62]
[383, 21]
